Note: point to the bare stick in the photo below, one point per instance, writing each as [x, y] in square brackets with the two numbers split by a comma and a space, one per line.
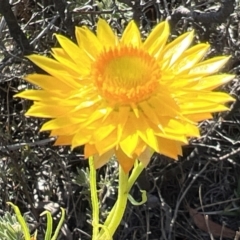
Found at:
[14, 29]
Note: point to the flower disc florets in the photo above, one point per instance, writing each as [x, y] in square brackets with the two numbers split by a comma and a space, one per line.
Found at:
[126, 75]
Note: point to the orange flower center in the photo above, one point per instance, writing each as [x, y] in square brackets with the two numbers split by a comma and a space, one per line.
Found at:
[126, 75]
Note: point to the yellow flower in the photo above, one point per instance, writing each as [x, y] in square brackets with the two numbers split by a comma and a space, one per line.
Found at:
[126, 96]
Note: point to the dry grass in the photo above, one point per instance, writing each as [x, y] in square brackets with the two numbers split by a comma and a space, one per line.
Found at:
[36, 175]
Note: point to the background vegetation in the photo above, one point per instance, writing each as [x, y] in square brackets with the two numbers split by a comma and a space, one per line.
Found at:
[197, 197]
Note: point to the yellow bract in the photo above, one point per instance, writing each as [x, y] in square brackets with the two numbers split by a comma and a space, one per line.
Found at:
[126, 96]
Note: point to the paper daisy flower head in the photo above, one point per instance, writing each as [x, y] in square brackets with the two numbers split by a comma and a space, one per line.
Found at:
[126, 96]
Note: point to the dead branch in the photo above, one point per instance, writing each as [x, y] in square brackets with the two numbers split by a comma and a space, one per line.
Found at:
[14, 29]
[61, 7]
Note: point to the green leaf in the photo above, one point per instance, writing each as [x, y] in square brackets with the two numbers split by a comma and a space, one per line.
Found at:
[134, 202]
[59, 225]
[49, 225]
[21, 221]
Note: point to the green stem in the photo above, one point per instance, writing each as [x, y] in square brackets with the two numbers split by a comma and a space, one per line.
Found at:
[120, 205]
[94, 199]
[125, 184]
[138, 168]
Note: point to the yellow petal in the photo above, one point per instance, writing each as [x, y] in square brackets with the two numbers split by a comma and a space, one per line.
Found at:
[212, 82]
[101, 133]
[192, 130]
[190, 58]
[129, 144]
[131, 35]
[48, 83]
[63, 140]
[64, 131]
[170, 148]
[209, 66]
[95, 117]
[125, 162]
[149, 112]
[59, 123]
[202, 107]
[173, 130]
[204, 96]
[157, 39]
[60, 52]
[35, 95]
[90, 150]
[46, 111]
[145, 156]
[88, 41]
[109, 143]
[99, 161]
[105, 34]
[123, 114]
[75, 70]
[146, 133]
[80, 139]
[73, 51]
[197, 117]
[216, 97]
[168, 108]
[140, 147]
[175, 49]
[55, 69]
